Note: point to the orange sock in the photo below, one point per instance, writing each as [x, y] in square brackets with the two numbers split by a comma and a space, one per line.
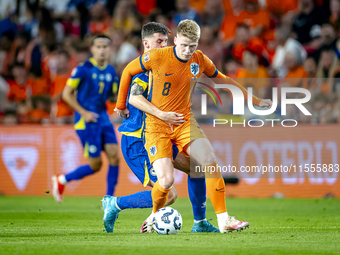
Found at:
[159, 196]
[216, 189]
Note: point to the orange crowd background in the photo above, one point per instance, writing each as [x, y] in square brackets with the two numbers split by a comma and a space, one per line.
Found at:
[41, 41]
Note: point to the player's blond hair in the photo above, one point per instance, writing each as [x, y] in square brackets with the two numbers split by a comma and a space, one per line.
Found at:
[189, 29]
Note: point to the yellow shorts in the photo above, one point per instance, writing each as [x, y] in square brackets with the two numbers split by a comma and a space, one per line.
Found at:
[159, 138]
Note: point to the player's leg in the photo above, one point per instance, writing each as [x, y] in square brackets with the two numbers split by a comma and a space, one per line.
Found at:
[197, 195]
[137, 159]
[202, 151]
[90, 144]
[111, 150]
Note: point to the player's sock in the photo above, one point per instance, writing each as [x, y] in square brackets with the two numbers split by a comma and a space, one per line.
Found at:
[79, 173]
[111, 179]
[216, 189]
[197, 195]
[159, 196]
[140, 199]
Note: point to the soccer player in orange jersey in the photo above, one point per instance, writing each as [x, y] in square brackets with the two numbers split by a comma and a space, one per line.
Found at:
[170, 91]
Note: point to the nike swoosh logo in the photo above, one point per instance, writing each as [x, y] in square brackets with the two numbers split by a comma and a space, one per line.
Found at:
[168, 74]
[219, 189]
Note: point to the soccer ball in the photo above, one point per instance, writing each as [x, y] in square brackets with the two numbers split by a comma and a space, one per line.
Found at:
[167, 221]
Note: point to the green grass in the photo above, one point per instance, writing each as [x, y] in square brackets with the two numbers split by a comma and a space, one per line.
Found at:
[38, 225]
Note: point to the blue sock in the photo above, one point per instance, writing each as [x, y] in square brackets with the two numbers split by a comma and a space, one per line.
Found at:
[79, 173]
[197, 194]
[140, 199]
[112, 178]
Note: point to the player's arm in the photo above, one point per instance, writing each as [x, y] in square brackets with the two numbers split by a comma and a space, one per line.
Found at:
[114, 92]
[69, 97]
[130, 70]
[139, 101]
[140, 64]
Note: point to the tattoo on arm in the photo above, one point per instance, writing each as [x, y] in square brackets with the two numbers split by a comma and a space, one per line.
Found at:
[137, 90]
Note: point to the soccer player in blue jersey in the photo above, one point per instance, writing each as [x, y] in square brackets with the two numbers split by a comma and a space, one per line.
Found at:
[154, 35]
[91, 84]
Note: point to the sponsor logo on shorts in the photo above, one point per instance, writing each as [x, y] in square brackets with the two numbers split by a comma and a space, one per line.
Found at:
[153, 150]
[147, 57]
[92, 149]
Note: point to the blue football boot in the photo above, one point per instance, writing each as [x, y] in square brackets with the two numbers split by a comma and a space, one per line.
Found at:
[110, 212]
[204, 227]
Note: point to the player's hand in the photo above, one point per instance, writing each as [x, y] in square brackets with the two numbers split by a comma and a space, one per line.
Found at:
[90, 116]
[172, 118]
[265, 103]
[123, 113]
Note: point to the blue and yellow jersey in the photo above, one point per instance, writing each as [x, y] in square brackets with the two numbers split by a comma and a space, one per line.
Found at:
[94, 84]
[133, 126]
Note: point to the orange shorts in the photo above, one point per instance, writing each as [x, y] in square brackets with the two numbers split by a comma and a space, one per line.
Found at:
[159, 138]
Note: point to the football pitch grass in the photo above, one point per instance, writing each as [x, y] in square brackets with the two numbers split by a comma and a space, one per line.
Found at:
[39, 225]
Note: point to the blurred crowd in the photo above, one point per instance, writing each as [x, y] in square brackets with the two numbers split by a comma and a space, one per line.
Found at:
[261, 43]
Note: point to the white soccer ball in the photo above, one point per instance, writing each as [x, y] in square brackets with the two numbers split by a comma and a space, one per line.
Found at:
[167, 221]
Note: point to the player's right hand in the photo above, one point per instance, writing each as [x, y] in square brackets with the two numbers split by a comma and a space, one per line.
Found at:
[90, 116]
[123, 113]
[172, 118]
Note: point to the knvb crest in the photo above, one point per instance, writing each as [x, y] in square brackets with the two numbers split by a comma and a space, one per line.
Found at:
[153, 150]
[194, 68]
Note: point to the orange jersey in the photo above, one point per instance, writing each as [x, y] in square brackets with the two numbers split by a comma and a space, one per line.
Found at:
[170, 89]
[39, 86]
[17, 93]
[57, 88]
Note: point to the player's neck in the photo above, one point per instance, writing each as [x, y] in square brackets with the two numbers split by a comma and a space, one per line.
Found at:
[100, 63]
[178, 57]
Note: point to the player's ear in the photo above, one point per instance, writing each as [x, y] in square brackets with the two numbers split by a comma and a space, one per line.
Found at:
[146, 44]
[175, 39]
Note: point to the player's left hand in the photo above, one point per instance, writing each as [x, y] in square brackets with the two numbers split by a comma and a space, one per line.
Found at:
[123, 113]
[265, 103]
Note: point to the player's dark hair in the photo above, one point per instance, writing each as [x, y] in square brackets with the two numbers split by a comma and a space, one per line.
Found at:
[100, 36]
[153, 27]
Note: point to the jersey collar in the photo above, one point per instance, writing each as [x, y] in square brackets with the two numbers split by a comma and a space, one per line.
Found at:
[96, 65]
[183, 61]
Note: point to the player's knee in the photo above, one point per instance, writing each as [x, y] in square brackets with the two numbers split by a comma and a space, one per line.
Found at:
[113, 160]
[166, 181]
[96, 165]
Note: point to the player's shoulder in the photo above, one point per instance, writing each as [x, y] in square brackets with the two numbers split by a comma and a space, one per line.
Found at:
[78, 70]
[199, 54]
[160, 51]
[141, 77]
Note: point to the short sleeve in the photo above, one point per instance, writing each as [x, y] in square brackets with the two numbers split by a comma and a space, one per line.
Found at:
[141, 82]
[210, 69]
[150, 59]
[76, 75]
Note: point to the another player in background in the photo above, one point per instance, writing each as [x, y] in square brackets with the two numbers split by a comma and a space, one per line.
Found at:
[94, 82]
[154, 35]
[173, 68]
